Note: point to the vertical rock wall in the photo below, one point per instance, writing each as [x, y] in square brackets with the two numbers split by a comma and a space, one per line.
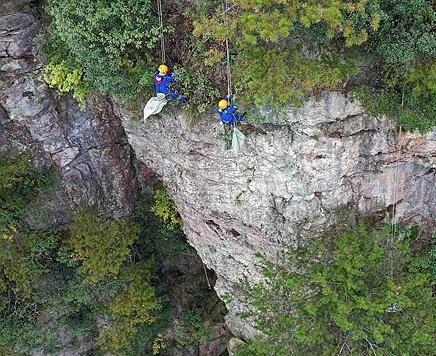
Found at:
[296, 172]
[88, 148]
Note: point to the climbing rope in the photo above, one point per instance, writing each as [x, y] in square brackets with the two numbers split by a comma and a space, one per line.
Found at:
[226, 8]
[162, 38]
[207, 278]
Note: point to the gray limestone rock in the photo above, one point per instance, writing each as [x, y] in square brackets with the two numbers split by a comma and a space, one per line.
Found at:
[288, 184]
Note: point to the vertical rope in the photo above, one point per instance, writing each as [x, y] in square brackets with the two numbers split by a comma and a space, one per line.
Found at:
[229, 73]
[162, 37]
[207, 278]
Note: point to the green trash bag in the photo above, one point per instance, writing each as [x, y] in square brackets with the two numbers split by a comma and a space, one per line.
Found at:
[154, 105]
[238, 140]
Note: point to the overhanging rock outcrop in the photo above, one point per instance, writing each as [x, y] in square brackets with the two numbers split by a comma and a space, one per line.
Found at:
[288, 183]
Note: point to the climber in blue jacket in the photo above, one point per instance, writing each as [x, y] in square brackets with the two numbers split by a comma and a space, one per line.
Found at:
[163, 81]
[227, 112]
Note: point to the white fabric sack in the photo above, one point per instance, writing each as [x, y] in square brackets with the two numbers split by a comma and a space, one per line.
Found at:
[238, 140]
[155, 105]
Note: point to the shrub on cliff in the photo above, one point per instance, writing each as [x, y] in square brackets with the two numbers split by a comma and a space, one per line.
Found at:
[67, 79]
[166, 209]
[106, 40]
[406, 46]
[284, 52]
[358, 292]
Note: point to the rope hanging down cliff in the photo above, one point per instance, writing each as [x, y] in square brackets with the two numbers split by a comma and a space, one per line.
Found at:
[162, 37]
[227, 109]
[229, 72]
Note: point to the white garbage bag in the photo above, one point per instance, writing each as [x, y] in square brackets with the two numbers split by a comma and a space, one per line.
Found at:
[238, 140]
[155, 105]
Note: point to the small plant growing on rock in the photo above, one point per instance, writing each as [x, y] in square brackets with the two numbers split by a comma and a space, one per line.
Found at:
[67, 80]
[166, 209]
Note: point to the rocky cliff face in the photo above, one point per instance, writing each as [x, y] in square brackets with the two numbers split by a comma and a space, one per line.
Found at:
[88, 148]
[296, 172]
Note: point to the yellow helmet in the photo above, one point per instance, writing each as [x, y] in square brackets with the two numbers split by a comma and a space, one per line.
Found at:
[163, 68]
[223, 104]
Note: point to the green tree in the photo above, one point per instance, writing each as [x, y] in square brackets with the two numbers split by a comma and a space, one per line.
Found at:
[406, 45]
[354, 293]
[108, 41]
[136, 305]
[406, 33]
[100, 245]
[288, 50]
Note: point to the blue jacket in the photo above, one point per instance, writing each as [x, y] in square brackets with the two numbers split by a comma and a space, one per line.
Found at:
[229, 115]
[163, 82]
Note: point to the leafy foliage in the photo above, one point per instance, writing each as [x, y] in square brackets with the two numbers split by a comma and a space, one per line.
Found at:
[198, 87]
[166, 209]
[20, 253]
[292, 77]
[192, 329]
[67, 80]
[281, 52]
[273, 61]
[80, 280]
[24, 255]
[412, 112]
[106, 40]
[286, 51]
[100, 245]
[406, 44]
[407, 31]
[136, 305]
[355, 292]
[19, 183]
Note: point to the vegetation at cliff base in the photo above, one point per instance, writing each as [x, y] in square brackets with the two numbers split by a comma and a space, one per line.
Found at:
[359, 292]
[61, 276]
[93, 286]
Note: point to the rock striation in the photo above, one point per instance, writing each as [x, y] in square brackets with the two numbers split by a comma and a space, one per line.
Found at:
[88, 148]
[298, 172]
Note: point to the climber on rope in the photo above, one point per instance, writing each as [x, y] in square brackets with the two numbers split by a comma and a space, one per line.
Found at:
[228, 112]
[163, 81]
